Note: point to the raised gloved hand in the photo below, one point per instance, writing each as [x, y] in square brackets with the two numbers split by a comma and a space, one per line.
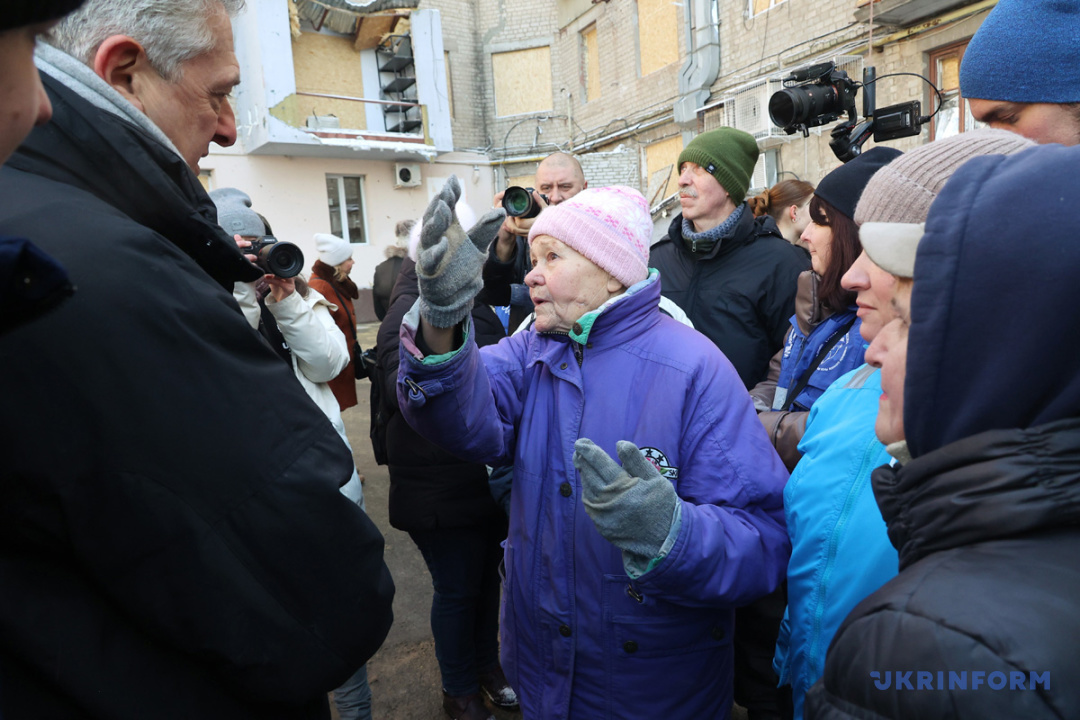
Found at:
[632, 506]
[450, 262]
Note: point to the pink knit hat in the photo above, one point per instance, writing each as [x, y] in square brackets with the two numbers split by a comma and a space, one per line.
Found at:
[610, 226]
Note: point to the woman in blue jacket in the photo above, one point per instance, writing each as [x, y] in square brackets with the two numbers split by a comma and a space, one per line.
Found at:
[840, 550]
[621, 582]
[823, 342]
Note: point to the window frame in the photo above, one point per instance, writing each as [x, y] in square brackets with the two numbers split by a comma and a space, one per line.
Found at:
[750, 7]
[965, 122]
[343, 217]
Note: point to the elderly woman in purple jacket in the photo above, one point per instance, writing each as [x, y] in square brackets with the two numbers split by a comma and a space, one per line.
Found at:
[621, 581]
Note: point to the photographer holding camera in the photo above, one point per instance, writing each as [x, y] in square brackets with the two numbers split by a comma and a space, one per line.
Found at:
[558, 177]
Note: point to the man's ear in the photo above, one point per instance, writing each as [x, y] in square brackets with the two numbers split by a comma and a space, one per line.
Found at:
[614, 286]
[120, 61]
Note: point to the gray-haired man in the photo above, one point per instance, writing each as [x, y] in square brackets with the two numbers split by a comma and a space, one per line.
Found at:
[175, 544]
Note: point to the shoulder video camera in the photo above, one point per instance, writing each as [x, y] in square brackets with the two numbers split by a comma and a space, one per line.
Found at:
[820, 94]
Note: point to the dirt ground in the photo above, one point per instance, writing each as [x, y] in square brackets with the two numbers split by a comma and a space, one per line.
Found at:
[404, 675]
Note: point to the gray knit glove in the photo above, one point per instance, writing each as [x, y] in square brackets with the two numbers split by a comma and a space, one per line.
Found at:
[632, 506]
[451, 262]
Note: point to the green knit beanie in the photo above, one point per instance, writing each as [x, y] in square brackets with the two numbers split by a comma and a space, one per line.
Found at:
[729, 155]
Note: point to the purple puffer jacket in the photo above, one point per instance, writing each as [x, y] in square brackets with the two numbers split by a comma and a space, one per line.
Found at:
[580, 639]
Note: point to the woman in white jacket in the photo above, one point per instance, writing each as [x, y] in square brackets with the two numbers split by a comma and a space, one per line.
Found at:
[302, 331]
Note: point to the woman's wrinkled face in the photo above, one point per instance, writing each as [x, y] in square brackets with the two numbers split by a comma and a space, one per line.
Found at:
[888, 351]
[875, 289]
[564, 284]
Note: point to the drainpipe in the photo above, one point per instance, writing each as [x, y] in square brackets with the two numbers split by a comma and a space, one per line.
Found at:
[702, 65]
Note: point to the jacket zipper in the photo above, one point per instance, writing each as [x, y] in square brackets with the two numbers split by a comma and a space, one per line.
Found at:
[834, 541]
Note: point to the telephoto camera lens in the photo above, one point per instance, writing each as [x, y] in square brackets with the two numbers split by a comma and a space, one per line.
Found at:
[279, 258]
[798, 105]
[518, 202]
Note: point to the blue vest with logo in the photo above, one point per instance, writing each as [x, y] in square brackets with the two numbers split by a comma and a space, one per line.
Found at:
[800, 351]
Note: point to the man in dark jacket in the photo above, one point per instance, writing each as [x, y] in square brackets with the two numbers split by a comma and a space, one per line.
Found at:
[733, 274]
[736, 277]
[985, 508]
[174, 544]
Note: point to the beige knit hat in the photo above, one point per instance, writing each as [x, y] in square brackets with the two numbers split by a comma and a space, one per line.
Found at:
[896, 201]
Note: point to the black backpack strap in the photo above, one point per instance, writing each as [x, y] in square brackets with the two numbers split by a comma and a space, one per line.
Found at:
[822, 352]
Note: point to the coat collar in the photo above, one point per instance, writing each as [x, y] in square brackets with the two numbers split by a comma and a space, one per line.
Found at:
[92, 149]
[997, 484]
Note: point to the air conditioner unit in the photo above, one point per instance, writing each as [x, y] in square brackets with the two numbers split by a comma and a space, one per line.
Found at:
[764, 175]
[747, 108]
[406, 175]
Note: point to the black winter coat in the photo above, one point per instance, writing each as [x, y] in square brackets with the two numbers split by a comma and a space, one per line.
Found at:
[430, 488]
[741, 295]
[173, 543]
[988, 530]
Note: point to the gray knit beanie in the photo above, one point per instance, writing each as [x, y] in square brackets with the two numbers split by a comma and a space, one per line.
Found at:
[729, 155]
[900, 193]
[235, 215]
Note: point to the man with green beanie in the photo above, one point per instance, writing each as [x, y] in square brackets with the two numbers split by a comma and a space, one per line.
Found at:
[735, 276]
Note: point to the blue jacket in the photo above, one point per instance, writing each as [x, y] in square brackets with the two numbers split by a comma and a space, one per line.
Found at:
[580, 639]
[800, 350]
[840, 548]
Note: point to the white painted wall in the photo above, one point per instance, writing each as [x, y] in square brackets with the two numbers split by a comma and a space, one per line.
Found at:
[291, 193]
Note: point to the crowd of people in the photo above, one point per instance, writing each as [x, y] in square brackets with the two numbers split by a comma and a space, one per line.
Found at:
[815, 452]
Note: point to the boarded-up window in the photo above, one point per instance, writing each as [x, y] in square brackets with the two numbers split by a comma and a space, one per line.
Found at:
[661, 170]
[522, 81]
[328, 65]
[591, 61]
[760, 6]
[521, 181]
[658, 34]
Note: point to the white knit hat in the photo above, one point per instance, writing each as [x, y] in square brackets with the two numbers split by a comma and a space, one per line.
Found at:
[332, 250]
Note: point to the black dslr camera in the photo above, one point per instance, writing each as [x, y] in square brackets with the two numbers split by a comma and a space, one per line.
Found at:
[813, 96]
[519, 202]
[820, 94]
[276, 257]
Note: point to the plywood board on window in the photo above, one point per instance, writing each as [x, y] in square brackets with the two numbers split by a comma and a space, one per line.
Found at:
[372, 29]
[592, 63]
[327, 64]
[522, 81]
[658, 34]
[661, 155]
[524, 181]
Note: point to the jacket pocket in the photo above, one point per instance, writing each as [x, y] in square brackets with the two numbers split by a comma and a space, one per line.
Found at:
[652, 644]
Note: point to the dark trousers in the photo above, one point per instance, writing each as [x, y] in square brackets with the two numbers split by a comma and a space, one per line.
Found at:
[464, 567]
[757, 626]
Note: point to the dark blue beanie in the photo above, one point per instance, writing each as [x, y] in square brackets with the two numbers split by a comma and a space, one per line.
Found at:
[843, 187]
[1026, 51]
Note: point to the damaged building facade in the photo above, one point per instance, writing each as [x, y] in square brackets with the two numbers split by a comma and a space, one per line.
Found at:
[352, 114]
